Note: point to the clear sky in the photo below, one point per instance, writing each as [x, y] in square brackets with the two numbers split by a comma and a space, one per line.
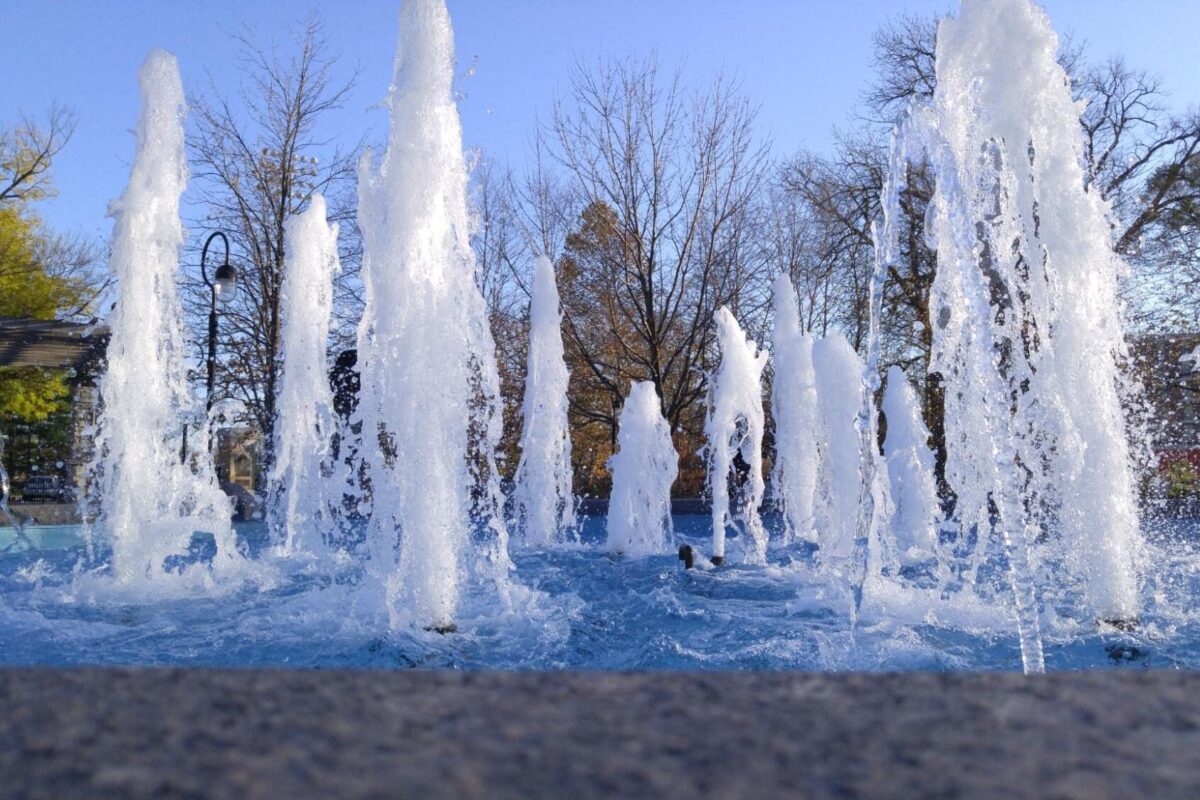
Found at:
[804, 61]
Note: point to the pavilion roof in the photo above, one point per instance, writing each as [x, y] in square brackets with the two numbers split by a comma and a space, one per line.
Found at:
[53, 344]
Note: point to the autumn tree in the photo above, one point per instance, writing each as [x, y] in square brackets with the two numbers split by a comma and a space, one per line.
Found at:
[44, 275]
[27, 150]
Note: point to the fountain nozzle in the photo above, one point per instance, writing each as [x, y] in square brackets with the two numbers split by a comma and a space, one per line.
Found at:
[1123, 624]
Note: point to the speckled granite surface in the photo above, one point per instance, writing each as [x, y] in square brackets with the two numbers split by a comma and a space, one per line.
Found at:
[176, 733]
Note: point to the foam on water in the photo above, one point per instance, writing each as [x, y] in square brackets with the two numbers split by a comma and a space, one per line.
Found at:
[597, 612]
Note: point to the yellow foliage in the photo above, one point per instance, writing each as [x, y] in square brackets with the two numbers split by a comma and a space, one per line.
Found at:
[26, 289]
[32, 394]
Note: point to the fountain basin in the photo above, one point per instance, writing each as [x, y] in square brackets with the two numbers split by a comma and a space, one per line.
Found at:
[581, 608]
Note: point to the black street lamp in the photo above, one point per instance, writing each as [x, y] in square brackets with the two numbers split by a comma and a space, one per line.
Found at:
[222, 289]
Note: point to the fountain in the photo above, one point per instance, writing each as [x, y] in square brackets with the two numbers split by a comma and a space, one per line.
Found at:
[1193, 358]
[543, 499]
[1045, 273]
[815, 400]
[1042, 525]
[429, 400]
[795, 410]
[151, 504]
[302, 500]
[643, 469]
[1028, 334]
[839, 374]
[912, 489]
[735, 429]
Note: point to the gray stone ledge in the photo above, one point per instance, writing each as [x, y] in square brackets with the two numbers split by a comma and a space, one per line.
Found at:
[192, 733]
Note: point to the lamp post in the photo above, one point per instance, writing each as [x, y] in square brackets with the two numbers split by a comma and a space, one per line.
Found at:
[221, 288]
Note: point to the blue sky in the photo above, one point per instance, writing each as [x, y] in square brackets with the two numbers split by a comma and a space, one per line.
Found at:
[804, 61]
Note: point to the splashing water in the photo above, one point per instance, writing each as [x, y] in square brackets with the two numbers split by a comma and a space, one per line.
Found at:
[150, 502]
[1028, 331]
[735, 429]
[797, 426]
[1027, 336]
[913, 492]
[301, 497]
[1041, 239]
[875, 506]
[643, 469]
[839, 372]
[429, 402]
[17, 522]
[543, 499]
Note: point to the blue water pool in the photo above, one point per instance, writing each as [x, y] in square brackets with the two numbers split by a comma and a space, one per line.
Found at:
[581, 608]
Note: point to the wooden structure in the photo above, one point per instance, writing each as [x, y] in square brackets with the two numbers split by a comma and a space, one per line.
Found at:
[52, 344]
[77, 348]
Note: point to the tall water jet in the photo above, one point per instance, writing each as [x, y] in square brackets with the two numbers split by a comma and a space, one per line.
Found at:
[301, 503]
[643, 469]
[734, 429]
[1028, 326]
[795, 411]
[874, 503]
[913, 492]
[982, 462]
[429, 400]
[839, 373]
[543, 499]
[150, 502]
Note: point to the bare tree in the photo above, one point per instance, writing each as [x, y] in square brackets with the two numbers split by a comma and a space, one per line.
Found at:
[1136, 154]
[797, 244]
[257, 160]
[500, 259]
[841, 193]
[904, 59]
[663, 184]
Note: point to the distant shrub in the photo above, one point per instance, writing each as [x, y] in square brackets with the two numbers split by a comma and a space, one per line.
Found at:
[1182, 479]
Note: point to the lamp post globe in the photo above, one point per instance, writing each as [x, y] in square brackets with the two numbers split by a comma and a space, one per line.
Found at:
[225, 283]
